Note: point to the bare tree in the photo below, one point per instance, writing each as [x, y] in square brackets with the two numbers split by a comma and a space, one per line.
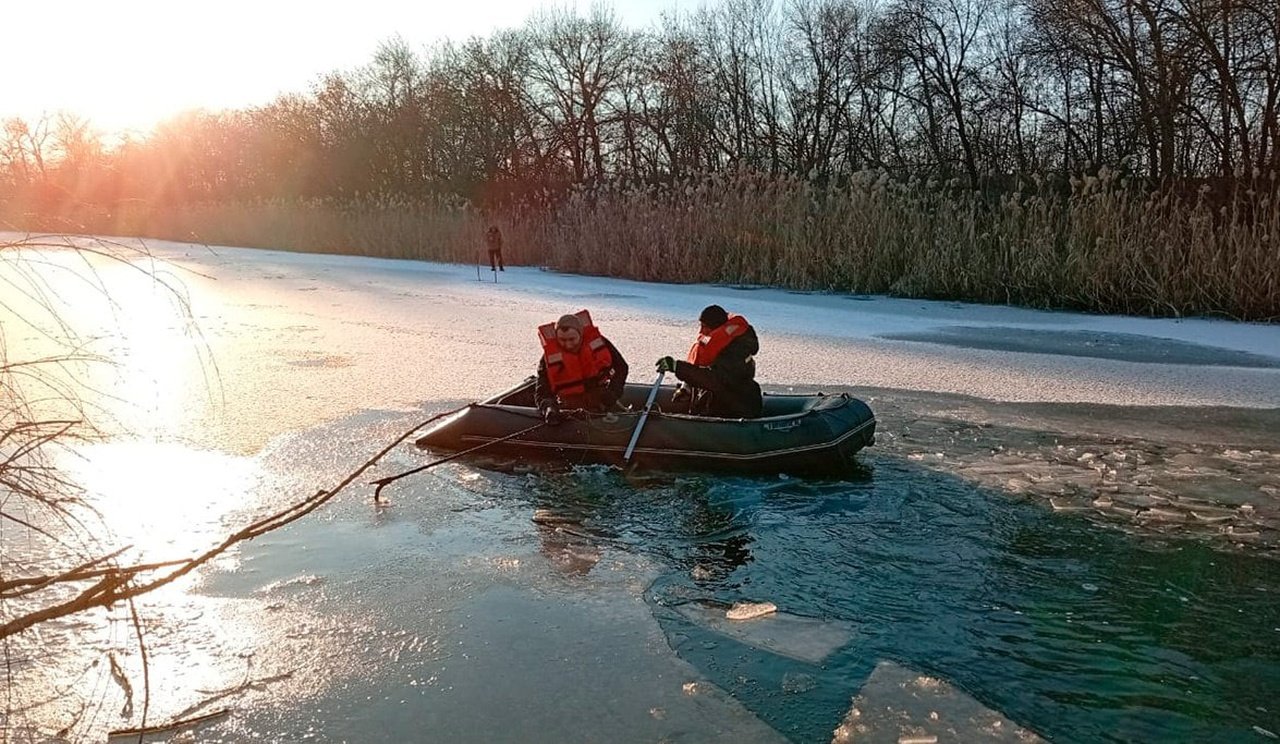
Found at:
[939, 41]
[741, 40]
[390, 87]
[675, 105]
[24, 148]
[577, 64]
[827, 70]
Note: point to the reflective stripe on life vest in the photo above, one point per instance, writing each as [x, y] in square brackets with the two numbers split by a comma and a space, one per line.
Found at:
[569, 373]
[708, 346]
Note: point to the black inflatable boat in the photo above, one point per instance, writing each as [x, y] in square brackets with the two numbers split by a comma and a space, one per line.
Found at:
[798, 434]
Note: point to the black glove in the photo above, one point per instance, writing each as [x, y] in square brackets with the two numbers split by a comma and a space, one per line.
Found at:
[552, 414]
[667, 364]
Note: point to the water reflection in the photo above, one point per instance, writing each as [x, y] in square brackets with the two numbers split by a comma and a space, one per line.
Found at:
[1076, 632]
[159, 501]
[597, 505]
[165, 499]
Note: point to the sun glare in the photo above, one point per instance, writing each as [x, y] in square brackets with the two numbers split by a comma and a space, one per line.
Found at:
[167, 500]
[129, 65]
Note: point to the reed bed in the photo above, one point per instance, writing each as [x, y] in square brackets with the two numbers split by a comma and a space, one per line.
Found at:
[440, 230]
[1101, 245]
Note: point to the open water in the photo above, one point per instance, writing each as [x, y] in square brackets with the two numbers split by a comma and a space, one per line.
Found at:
[536, 591]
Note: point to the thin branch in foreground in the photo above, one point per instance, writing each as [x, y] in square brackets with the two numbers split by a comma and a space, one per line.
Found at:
[119, 584]
[170, 727]
[122, 679]
[78, 574]
[256, 684]
[146, 666]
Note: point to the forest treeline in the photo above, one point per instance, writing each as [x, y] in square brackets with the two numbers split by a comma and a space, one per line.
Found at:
[990, 138]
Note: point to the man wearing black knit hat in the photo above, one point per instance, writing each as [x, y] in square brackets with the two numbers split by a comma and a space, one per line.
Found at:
[718, 379]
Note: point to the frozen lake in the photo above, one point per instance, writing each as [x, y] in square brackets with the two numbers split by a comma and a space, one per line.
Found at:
[1067, 526]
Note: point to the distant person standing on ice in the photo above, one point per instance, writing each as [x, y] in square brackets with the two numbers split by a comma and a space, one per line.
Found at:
[493, 239]
[719, 378]
[579, 368]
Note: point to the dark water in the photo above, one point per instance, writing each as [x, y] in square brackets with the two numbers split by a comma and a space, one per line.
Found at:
[1078, 632]
[1126, 347]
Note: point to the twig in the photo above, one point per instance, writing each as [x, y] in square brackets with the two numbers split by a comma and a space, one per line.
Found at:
[122, 679]
[120, 583]
[382, 483]
[146, 667]
[256, 684]
[36, 583]
[82, 575]
[142, 731]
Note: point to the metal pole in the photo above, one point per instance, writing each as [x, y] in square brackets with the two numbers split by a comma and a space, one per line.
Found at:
[648, 406]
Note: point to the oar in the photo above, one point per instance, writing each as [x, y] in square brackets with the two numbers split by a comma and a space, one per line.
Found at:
[383, 482]
[648, 406]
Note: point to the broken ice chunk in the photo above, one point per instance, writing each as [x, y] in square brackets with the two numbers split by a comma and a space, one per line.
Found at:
[549, 516]
[794, 636]
[1161, 515]
[750, 610]
[1210, 518]
[902, 705]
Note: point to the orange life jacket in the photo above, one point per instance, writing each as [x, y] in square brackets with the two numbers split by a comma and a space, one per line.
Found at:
[569, 373]
[708, 346]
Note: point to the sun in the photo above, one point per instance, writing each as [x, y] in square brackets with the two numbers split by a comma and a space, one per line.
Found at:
[130, 65]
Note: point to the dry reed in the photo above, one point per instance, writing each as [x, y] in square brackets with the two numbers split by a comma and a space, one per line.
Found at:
[1104, 246]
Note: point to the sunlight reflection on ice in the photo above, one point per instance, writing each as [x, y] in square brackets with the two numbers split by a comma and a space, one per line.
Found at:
[166, 500]
[203, 653]
[84, 672]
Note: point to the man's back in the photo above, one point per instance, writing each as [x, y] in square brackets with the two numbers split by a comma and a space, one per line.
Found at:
[727, 387]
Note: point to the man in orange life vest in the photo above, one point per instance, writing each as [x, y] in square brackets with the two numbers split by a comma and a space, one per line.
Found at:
[579, 368]
[719, 377]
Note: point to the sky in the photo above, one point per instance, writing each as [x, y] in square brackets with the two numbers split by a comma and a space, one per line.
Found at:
[127, 64]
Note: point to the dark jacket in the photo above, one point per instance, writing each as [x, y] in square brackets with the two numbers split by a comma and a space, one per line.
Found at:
[728, 387]
[599, 398]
